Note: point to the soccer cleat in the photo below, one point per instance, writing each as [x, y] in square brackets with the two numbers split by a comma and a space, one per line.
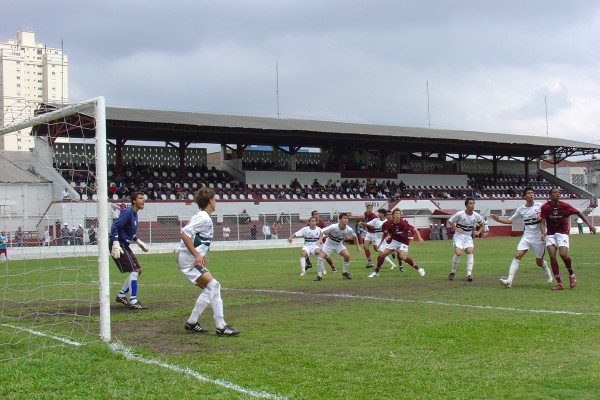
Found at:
[559, 286]
[307, 266]
[401, 268]
[308, 263]
[572, 281]
[302, 273]
[318, 278]
[369, 265]
[506, 283]
[393, 266]
[227, 331]
[122, 300]
[137, 306]
[451, 276]
[334, 270]
[194, 327]
[469, 278]
[373, 274]
[346, 275]
[420, 270]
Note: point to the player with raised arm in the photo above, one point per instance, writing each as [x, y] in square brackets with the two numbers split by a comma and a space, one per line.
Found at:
[122, 232]
[463, 223]
[376, 235]
[370, 236]
[395, 238]
[196, 238]
[311, 235]
[531, 239]
[555, 230]
[332, 239]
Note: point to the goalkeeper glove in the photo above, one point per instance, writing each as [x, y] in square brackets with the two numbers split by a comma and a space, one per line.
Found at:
[116, 250]
[142, 245]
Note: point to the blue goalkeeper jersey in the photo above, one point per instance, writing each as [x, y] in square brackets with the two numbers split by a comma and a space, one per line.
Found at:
[124, 229]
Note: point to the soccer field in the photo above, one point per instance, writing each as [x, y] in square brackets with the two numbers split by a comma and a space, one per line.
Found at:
[397, 336]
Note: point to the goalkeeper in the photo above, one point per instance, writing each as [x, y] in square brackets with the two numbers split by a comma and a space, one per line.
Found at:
[122, 233]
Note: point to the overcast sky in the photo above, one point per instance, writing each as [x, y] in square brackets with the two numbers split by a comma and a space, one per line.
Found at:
[489, 64]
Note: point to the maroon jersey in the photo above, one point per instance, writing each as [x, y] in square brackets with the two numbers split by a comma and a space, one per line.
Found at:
[370, 217]
[557, 217]
[399, 232]
[320, 224]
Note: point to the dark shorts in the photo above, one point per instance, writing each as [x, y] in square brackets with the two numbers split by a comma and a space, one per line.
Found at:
[127, 263]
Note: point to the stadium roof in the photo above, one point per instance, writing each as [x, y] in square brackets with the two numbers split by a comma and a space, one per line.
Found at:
[188, 127]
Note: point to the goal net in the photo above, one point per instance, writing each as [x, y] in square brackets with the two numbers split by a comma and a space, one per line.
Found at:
[54, 286]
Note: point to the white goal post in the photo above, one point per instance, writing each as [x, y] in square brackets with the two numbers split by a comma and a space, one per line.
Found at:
[97, 107]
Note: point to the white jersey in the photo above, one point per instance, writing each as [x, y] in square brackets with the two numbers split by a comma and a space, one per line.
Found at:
[376, 224]
[531, 219]
[311, 236]
[337, 235]
[200, 229]
[465, 222]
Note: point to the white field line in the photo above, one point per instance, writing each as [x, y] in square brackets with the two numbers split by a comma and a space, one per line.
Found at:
[429, 302]
[38, 333]
[119, 348]
[126, 352]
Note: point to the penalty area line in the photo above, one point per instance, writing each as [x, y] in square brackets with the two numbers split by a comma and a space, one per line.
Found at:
[126, 352]
[430, 302]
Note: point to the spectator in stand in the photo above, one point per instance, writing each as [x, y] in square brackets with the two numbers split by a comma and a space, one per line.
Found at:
[46, 239]
[3, 244]
[92, 235]
[18, 242]
[65, 194]
[244, 217]
[78, 236]
[65, 235]
[266, 230]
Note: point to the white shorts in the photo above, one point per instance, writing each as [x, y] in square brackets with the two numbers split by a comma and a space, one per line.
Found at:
[394, 245]
[558, 240]
[185, 263]
[332, 247]
[535, 244]
[310, 249]
[463, 241]
[374, 238]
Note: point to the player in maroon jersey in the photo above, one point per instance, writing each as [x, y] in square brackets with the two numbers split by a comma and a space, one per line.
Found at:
[555, 230]
[396, 235]
[371, 236]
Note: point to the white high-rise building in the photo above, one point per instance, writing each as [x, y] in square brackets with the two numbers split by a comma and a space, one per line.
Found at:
[30, 74]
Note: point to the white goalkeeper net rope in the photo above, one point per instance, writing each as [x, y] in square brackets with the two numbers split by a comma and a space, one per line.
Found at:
[54, 284]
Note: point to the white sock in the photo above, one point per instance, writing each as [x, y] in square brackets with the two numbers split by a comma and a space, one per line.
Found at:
[388, 259]
[216, 303]
[319, 266]
[125, 288]
[470, 262]
[455, 260]
[302, 264]
[201, 303]
[514, 266]
[345, 266]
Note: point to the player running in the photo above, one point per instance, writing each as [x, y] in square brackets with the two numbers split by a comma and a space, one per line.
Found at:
[555, 230]
[463, 223]
[531, 239]
[396, 235]
[370, 236]
[375, 236]
[311, 235]
[332, 239]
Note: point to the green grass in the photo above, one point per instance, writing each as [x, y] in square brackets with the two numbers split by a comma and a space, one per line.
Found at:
[398, 336]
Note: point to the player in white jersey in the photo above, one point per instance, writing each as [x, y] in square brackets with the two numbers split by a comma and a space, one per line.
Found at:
[531, 239]
[196, 238]
[334, 243]
[376, 235]
[311, 235]
[464, 223]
